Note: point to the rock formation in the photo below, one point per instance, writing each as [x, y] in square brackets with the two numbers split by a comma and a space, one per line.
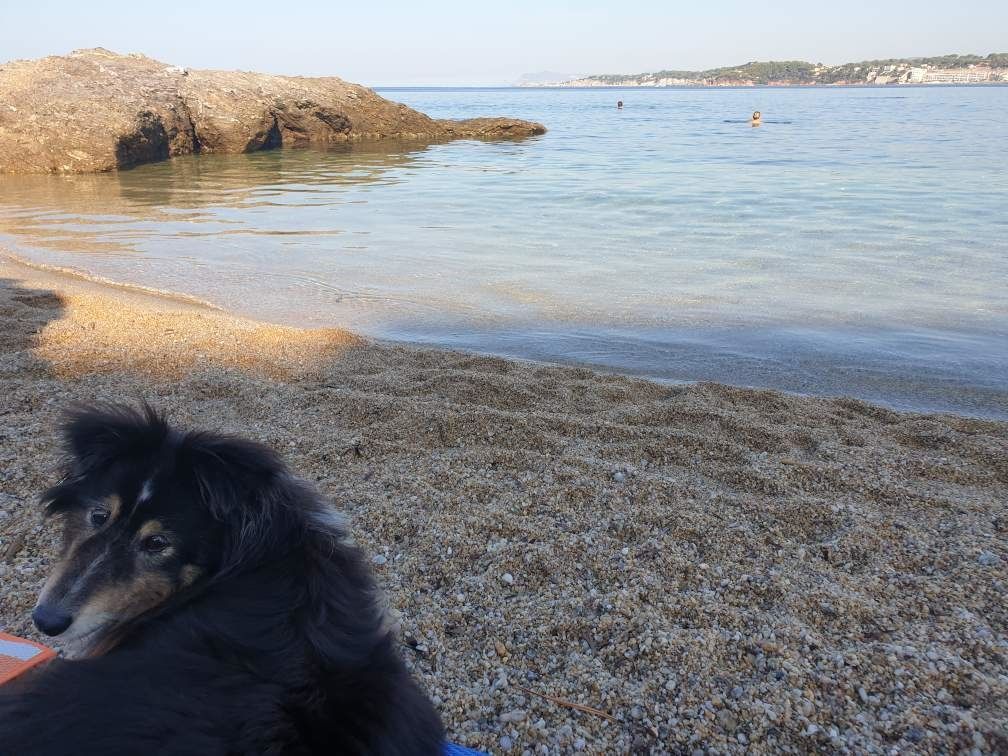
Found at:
[94, 110]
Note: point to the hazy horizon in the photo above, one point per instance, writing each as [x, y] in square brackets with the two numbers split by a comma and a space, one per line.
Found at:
[461, 44]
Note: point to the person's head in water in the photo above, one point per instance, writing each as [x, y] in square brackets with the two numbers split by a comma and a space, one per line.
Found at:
[619, 104]
[757, 118]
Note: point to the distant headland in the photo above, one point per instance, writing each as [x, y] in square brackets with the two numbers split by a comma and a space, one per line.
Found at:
[946, 69]
[95, 110]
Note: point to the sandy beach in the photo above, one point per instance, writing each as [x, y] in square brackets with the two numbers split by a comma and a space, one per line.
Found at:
[699, 568]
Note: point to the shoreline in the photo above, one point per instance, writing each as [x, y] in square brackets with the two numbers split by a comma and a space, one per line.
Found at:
[707, 367]
[76, 274]
[711, 566]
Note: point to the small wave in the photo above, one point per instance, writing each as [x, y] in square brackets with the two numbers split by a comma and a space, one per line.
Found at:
[82, 275]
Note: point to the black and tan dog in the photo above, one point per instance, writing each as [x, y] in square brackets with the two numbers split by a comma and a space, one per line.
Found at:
[212, 604]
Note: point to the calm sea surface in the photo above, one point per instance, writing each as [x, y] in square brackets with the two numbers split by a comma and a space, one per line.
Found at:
[855, 244]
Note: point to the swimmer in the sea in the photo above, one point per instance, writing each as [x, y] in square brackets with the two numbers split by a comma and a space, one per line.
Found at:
[757, 119]
[619, 104]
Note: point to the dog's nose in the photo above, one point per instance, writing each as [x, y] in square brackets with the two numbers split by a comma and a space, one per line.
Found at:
[50, 619]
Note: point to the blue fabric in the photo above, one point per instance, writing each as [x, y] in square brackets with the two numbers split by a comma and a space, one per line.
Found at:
[450, 749]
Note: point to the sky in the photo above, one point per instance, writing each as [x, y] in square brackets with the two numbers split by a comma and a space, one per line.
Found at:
[482, 43]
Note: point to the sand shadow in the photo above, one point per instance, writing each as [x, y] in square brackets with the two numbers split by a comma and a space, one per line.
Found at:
[24, 312]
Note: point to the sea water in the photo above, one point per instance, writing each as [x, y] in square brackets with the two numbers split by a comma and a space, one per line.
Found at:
[856, 243]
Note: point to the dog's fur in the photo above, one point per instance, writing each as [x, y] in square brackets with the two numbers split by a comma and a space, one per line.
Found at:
[217, 608]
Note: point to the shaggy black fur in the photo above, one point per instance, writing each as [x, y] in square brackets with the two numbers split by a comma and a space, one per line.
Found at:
[280, 645]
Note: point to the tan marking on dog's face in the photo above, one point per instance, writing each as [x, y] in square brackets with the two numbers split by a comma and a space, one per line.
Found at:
[114, 505]
[128, 599]
[149, 528]
[111, 607]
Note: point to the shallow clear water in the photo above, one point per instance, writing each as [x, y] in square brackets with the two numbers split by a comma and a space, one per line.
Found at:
[857, 243]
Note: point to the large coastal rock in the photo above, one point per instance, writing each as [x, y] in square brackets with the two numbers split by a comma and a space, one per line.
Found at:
[94, 110]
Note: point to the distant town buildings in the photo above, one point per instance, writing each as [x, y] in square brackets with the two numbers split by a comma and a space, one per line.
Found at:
[797, 73]
[971, 75]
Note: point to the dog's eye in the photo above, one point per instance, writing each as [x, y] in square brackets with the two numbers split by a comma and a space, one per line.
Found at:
[98, 516]
[154, 543]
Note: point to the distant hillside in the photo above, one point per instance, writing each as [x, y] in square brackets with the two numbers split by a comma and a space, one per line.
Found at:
[945, 69]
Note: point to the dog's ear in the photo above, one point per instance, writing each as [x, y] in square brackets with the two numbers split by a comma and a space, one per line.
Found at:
[238, 481]
[95, 436]
[59, 499]
[228, 469]
[99, 434]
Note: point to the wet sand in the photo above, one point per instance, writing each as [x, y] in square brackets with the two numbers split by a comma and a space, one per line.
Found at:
[702, 567]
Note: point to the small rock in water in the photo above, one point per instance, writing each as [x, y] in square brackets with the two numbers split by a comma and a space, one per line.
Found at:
[379, 559]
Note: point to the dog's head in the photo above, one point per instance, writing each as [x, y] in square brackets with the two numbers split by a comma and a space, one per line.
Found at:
[149, 516]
